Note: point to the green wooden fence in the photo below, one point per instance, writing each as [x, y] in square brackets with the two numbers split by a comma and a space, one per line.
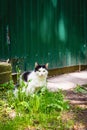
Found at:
[53, 31]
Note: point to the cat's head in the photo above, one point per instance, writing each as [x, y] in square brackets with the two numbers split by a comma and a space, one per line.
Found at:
[41, 70]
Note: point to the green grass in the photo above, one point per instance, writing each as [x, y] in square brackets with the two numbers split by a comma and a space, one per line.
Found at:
[41, 110]
[80, 89]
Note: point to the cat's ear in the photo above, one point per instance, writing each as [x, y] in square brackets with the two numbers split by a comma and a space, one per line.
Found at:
[36, 64]
[46, 65]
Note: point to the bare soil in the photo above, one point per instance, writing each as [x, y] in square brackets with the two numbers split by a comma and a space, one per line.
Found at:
[78, 111]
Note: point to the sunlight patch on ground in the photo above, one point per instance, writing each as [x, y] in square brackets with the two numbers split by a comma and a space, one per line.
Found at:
[82, 75]
[64, 86]
[67, 81]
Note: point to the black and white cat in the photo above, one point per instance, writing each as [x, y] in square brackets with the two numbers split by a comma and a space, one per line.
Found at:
[35, 79]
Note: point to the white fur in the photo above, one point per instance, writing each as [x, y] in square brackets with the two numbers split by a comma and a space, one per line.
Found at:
[36, 80]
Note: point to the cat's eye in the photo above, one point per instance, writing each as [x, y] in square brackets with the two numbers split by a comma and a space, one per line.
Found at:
[43, 70]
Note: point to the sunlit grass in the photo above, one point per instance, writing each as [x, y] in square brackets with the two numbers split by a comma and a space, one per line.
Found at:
[41, 110]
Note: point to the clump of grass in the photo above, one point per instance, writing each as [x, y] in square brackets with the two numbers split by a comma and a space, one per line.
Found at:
[41, 110]
[7, 85]
[80, 89]
[43, 101]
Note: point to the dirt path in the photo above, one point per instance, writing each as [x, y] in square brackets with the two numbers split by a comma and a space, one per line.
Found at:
[78, 112]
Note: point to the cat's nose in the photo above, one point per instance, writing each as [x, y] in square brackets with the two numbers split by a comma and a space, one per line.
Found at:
[41, 74]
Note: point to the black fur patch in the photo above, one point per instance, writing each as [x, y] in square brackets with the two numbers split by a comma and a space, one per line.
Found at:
[25, 75]
[40, 66]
